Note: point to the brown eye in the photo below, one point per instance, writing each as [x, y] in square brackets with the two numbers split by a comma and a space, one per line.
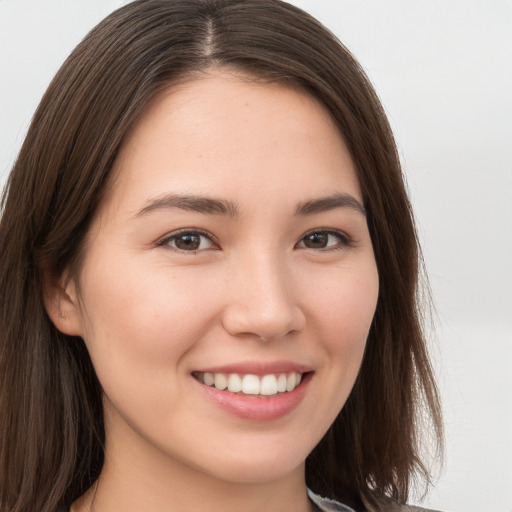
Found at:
[316, 240]
[324, 240]
[189, 241]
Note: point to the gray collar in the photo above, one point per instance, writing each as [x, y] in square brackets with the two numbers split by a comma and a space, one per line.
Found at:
[327, 505]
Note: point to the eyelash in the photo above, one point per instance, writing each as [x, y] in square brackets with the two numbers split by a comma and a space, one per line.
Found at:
[344, 240]
[190, 232]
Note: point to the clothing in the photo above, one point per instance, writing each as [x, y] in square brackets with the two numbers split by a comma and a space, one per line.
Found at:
[327, 505]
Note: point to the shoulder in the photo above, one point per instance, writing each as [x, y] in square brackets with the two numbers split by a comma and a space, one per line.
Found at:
[327, 505]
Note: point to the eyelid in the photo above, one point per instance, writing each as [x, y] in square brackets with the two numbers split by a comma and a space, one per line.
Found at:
[164, 241]
[344, 239]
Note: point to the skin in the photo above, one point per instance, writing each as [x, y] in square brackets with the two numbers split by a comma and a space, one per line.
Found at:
[151, 313]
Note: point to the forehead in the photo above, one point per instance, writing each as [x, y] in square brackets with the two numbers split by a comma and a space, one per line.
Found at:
[223, 133]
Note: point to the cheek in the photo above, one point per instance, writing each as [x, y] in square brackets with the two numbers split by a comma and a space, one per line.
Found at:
[341, 305]
[344, 310]
[142, 319]
[344, 305]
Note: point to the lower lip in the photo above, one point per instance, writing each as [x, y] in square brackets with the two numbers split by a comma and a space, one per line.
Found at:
[256, 407]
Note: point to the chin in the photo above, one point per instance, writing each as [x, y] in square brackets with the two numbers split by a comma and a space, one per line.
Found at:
[258, 466]
[248, 473]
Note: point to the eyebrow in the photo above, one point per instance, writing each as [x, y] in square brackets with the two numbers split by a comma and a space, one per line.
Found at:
[208, 205]
[191, 203]
[333, 202]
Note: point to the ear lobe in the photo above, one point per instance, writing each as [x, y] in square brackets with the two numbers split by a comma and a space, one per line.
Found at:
[61, 302]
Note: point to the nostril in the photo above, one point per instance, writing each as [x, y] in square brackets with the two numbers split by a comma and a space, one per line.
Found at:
[263, 322]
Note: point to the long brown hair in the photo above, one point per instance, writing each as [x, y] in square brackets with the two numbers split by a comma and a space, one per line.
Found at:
[51, 422]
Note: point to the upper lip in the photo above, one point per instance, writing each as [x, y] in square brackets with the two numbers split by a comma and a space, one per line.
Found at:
[258, 368]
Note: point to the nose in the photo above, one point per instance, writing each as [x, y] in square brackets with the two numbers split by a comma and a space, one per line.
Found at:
[262, 300]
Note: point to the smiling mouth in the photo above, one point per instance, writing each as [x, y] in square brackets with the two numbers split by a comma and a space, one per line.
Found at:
[251, 385]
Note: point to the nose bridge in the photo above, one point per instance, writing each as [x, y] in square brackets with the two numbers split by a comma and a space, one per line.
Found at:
[262, 299]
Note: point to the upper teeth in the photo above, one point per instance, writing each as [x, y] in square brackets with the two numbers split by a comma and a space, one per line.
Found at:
[252, 384]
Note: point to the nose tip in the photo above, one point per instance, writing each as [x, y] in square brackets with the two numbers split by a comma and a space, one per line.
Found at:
[266, 324]
[263, 305]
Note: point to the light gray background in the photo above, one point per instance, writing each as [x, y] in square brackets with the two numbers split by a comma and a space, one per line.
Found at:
[443, 71]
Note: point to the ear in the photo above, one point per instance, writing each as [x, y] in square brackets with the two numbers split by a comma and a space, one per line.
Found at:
[62, 306]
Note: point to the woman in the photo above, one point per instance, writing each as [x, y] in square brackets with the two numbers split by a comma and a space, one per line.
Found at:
[209, 272]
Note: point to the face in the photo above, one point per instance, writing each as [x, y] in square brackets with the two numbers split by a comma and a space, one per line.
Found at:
[232, 250]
